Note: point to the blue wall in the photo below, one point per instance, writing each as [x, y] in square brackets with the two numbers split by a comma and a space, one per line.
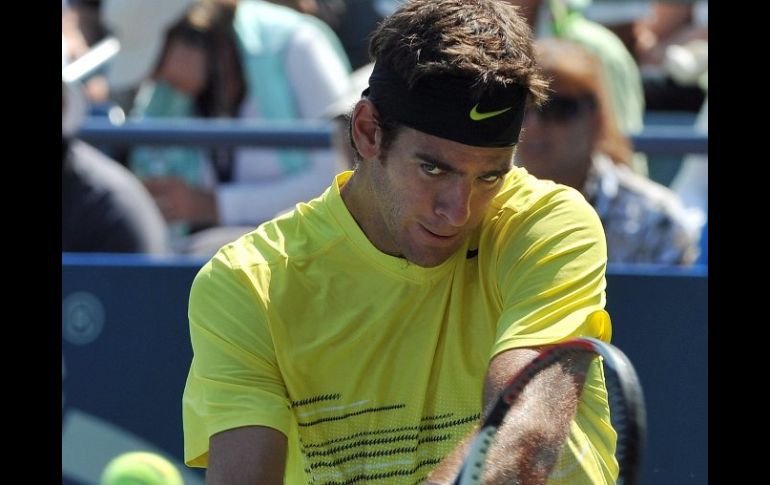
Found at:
[661, 322]
[126, 351]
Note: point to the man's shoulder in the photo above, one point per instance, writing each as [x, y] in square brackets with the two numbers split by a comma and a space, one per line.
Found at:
[528, 208]
[303, 233]
[523, 193]
[531, 217]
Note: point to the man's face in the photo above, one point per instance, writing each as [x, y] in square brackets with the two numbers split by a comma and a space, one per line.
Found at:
[430, 193]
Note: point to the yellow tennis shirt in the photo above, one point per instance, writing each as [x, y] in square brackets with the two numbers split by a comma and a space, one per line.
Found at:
[373, 367]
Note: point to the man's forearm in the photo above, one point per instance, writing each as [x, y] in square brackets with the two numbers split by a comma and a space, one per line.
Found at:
[247, 455]
[530, 439]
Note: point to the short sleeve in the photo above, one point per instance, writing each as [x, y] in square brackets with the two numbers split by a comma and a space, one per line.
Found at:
[234, 379]
[550, 272]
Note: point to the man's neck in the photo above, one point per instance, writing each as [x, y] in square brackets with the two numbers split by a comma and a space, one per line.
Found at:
[353, 194]
[357, 194]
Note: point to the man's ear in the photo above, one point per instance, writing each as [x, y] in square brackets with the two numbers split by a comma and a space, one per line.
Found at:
[364, 129]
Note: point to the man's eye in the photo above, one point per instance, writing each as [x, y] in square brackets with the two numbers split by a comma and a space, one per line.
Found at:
[431, 169]
[492, 178]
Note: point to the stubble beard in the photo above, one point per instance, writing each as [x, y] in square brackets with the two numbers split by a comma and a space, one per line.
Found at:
[397, 225]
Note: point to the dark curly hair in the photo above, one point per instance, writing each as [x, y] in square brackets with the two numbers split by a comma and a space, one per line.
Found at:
[486, 40]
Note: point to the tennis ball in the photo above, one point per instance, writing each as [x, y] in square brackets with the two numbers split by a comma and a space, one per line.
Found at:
[140, 468]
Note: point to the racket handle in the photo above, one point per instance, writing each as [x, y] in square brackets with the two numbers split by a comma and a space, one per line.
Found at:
[473, 466]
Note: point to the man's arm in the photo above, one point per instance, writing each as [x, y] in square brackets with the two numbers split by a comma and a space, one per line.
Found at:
[248, 455]
[550, 260]
[530, 439]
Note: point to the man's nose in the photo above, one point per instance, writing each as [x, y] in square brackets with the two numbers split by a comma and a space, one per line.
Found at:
[455, 204]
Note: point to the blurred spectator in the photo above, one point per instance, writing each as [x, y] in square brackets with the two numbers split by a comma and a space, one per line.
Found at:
[74, 42]
[671, 45]
[357, 22]
[670, 22]
[248, 59]
[691, 182]
[81, 29]
[105, 208]
[309, 7]
[574, 140]
[564, 19]
[329, 11]
[140, 28]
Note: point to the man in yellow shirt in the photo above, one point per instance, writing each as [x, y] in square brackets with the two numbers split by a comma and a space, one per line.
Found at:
[358, 338]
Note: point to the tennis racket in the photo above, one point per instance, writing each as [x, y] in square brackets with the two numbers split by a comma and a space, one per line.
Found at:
[625, 399]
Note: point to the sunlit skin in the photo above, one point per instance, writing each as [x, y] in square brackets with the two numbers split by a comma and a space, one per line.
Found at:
[422, 201]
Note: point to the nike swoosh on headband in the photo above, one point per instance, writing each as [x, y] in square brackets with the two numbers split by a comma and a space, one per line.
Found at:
[476, 116]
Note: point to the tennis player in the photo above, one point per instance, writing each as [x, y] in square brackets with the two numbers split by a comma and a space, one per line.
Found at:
[358, 338]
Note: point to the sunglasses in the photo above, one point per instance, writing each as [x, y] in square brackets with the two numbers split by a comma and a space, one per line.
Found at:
[564, 108]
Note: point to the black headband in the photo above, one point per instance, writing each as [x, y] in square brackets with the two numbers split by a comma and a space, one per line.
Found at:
[446, 107]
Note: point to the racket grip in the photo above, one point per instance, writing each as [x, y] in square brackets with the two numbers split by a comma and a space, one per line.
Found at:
[473, 466]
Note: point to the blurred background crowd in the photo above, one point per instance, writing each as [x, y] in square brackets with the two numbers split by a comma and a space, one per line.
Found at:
[618, 68]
